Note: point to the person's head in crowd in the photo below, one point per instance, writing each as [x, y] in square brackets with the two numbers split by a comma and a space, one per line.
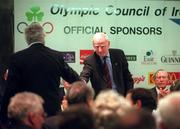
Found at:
[80, 92]
[110, 99]
[175, 86]
[142, 98]
[27, 108]
[137, 119]
[101, 44]
[169, 111]
[34, 33]
[161, 79]
[110, 106]
[77, 117]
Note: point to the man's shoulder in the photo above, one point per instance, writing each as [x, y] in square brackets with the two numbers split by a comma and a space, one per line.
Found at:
[153, 89]
[115, 50]
[91, 56]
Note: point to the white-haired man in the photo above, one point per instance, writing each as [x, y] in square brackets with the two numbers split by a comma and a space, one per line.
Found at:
[169, 111]
[26, 111]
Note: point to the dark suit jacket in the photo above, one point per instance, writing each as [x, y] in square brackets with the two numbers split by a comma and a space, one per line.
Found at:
[154, 93]
[38, 69]
[93, 70]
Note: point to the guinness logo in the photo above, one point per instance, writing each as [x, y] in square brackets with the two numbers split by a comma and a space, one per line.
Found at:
[173, 59]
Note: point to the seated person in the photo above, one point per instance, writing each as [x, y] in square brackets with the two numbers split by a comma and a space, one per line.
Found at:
[25, 111]
[142, 98]
[77, 116]
[78, 92]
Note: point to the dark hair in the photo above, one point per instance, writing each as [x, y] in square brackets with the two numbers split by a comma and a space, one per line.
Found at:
[79, 92]
[77, 117]
[145, 96]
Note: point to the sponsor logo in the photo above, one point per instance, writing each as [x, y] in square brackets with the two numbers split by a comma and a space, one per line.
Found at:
[173, 59]
[131, 57]
[139, 79]
[69, 56]
[148, 58]
[173, 76]
[84, 54]
[35, 15]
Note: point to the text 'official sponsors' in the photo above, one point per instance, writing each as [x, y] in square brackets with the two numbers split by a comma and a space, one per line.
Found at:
[123, 30]
[113, 10]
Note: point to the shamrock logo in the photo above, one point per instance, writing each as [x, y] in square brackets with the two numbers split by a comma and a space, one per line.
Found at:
[34, 15]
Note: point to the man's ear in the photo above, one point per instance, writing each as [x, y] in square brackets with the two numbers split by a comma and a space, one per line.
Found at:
[139, 104]
[31, 118]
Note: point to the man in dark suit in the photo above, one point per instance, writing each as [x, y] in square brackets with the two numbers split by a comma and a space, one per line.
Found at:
[38, 69]
[120, 77]
[161, 79]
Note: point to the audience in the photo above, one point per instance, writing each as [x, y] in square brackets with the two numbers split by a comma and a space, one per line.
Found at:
[25, 111]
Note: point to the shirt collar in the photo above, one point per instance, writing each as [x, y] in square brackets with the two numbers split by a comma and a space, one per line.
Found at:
[34, 43]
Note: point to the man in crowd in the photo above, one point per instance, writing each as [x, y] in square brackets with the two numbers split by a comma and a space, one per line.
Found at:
[37, 69]
[169, 111]
[26, 111]
[118, 77]
[142, 98]
[161, 80]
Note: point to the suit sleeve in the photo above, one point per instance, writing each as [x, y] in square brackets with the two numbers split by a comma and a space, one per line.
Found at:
[68, 73]
[86, 72]
[129, 84]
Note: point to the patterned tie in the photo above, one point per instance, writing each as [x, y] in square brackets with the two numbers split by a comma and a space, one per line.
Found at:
[106, 73]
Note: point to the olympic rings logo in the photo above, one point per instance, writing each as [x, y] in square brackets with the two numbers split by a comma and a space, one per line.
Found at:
[47, 26]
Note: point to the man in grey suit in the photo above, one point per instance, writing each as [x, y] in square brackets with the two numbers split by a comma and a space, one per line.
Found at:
[37, 69]
[120, 77]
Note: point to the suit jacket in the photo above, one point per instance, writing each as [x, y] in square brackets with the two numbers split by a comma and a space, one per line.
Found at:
[154, 93]
[38, 69]
[93, 70]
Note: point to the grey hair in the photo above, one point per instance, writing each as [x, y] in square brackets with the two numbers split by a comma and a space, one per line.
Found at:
[169, 110]
[100, 35]
[34, 33]
[155, 74]
[109, 101]
[23, 103]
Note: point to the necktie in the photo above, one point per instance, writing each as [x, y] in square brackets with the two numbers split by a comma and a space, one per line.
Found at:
[106, 73]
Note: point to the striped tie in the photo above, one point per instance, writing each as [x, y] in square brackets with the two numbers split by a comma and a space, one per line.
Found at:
[106, 73]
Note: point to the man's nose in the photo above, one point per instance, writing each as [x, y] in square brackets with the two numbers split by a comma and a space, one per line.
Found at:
[99, 49]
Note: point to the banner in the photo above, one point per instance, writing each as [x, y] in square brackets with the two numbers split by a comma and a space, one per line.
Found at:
[147, 31]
